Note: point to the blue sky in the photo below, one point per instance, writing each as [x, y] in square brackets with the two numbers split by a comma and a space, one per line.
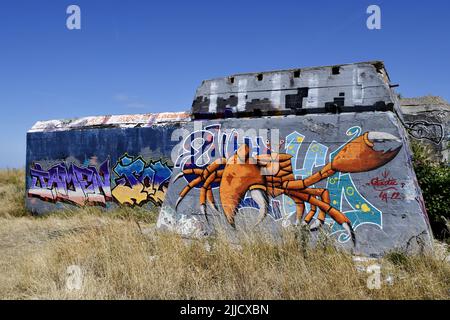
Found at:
[149, 56]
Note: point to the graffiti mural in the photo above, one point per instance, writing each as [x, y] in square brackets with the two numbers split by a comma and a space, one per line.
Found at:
[139, 182]
[202, 146]
[135, 183]
[71, 184]
[342, 189]
[255, 175]
[421, 129]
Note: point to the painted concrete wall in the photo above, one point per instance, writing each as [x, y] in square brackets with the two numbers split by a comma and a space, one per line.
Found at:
[323, 147]
[107, 167]
[427, 121]
[382, 201]
[98, 167]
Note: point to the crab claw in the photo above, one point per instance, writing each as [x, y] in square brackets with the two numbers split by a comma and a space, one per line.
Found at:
[178, 176]
[242, 154]
[367, 152]
[348, 228]
[178, 202]
[316, 225]
[261, 199]
[203, 211]
[215, 206]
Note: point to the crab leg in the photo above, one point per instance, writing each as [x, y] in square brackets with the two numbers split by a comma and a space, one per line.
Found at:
[324, 194]
[213, 167]
[367, 152]
[277, 164]
[299, 209]
[313, 179]
[210, 198]
[213, 177]
[190, 185]
[195, 171]
[204, 173]
[202, 176]
[310, 214]
[283, 158]
[261, 200]
[337, 216]
[299, 204]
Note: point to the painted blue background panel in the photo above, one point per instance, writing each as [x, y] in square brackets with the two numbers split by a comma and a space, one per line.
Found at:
[104, 166]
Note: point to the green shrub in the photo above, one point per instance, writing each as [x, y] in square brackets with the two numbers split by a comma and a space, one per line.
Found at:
[434, 180]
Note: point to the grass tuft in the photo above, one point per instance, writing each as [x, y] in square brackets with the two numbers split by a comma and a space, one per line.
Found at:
[122, 256]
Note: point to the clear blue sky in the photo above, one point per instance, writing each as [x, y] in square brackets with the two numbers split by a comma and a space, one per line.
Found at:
[149, 56]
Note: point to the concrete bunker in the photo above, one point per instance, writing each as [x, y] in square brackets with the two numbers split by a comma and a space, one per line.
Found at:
[330, 141]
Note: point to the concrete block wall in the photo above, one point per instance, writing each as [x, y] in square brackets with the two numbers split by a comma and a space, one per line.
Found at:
[99, 161]
[427, 121]
[382, 201]
[345, 170]
[351, 87]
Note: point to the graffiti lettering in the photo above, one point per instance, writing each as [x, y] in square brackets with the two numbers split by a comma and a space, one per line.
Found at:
[340, 204]
[205, 145]
[139, 182]
[343, 191]
[76, 185]
[393, 196]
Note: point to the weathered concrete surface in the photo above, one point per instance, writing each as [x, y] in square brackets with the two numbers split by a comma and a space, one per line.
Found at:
[111, 121]
[427, 120]
[351, 87]
[384, 205]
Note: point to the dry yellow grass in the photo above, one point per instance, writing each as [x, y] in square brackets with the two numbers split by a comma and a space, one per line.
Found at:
[12, 193]
[123, 259]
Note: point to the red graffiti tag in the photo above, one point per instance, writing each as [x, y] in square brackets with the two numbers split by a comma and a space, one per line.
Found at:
[387, 187]
[385, 196]
[384, 183]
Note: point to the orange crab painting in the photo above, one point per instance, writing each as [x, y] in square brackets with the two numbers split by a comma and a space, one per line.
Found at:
[271, 175]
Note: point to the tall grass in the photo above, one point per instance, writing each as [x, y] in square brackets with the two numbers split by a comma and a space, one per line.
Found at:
[122, 256]
[120, 262]
[12, 193]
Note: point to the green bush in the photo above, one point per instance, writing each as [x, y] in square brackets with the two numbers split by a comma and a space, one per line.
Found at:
[434, 180]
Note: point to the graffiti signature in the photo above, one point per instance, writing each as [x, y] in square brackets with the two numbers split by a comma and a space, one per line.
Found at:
[387, 187]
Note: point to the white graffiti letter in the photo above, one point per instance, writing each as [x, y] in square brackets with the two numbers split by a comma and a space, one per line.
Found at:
[374, 20]
[74, 279]
[74, 20]
[374, 279]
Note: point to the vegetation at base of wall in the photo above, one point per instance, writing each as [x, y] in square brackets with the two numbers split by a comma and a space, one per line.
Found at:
[119, 260]
[12, 204]
[137, 214]
[434, 180]
[122, 256]
[12, 193]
